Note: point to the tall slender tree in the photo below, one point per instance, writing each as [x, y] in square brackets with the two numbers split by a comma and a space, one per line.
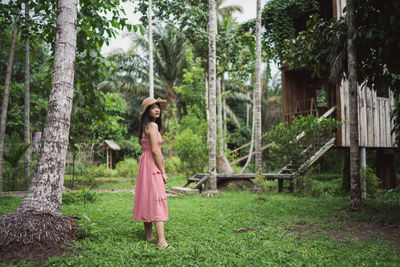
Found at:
[6, 93]
[39, 213]
[356, 202]
[27, 155]
[151, 72]
[257, 92]
[212, 123]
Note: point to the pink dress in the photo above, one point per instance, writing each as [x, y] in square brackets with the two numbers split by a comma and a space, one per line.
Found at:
[150, 198]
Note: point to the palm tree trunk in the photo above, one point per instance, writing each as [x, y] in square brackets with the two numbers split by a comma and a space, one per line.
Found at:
[220, 129]
[224, 114]
[356, 202]
[170, 93]
[257, 115]
[151, 77]
[6, 94]
[27, 156]
[45, 191]
[212, 123]
[253, 127]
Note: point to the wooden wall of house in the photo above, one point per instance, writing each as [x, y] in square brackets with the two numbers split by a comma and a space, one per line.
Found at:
[294, 88]
[374, 122]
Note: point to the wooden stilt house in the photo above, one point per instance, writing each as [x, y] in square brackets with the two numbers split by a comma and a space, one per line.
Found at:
[303, 95]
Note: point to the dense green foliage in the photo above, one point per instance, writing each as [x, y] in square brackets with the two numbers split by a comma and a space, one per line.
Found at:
[283, 230]
[289, 151]
[319, 44]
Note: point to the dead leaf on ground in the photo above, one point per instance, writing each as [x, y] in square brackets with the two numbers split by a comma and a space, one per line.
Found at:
[244, 229]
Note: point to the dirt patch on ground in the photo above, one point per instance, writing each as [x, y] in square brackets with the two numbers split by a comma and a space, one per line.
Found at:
[342, 230]
[235, 184]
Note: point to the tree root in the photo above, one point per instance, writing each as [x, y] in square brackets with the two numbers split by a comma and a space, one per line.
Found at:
[211, 193]
[27, 235]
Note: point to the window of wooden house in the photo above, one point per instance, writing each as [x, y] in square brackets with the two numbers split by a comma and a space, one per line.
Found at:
[382, 92]
[321, 97]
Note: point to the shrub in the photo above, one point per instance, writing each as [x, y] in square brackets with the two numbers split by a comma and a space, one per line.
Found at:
[391, 196]
[317, 132]
[192, 151]
[173, 165]
[88, 226]
[100, 171]
[372, 182]
[128, 168]
[84, 195]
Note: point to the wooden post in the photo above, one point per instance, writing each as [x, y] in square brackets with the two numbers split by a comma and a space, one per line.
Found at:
[107, 156]
[280, 185]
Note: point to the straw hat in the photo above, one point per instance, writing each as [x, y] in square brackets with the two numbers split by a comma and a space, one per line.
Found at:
[150, 101]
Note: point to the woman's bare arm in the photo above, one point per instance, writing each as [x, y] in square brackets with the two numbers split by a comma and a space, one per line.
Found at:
[153, 133]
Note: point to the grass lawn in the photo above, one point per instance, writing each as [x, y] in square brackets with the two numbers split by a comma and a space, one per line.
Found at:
[282, 229]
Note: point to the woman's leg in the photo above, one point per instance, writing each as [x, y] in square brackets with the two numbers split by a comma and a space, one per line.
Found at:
[160, 234]
[149, 231]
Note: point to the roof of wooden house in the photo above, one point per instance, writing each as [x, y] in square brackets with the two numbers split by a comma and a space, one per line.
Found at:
[109, 144]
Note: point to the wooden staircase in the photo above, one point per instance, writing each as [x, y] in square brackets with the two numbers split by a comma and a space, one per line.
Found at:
[286, 173]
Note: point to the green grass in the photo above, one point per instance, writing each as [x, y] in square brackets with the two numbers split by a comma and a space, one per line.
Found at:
[203, 232]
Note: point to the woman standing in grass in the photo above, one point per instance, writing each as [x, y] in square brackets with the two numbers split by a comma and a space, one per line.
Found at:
[150, 198]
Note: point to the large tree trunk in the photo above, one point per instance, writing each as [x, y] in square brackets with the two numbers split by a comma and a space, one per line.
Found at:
[27, 139]
[356, 202]
[39, 214]
[257, 115]
[151, 77]
[212, 122]
[45, 191]
[6, 94]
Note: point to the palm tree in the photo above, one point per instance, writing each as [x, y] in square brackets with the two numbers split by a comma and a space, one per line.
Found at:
[356, 202]
[227, 10]
[211, 185]
[257, 93]
[169, 56]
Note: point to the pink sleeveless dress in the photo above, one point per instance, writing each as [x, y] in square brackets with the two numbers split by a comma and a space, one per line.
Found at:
[150, 198]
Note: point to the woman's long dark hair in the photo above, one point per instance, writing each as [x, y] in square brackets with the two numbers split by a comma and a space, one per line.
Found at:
[146, 119]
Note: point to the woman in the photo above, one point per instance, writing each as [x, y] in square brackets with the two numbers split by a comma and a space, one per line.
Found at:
[150, 199]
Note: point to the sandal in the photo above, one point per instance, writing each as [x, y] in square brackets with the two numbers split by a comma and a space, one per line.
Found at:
[168, 246]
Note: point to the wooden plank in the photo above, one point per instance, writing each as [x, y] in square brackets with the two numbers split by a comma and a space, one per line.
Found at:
[364, 117]
[253, 175]
[316, 156]
[339, 135]
[346, 114]
[370, 121]
[362, 122]
[392, 106]
[185, 190]
[202, 181]
[245, 157]
[382, 127]
[388, 124]
[375, 106]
